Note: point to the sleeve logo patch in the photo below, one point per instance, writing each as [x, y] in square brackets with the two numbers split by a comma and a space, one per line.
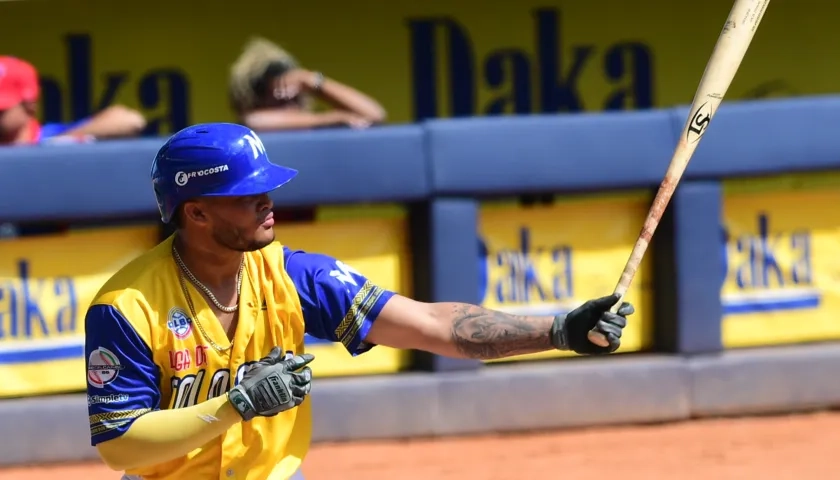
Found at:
[103, 367]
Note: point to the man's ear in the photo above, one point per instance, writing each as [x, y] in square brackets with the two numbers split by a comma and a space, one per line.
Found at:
[195, 212]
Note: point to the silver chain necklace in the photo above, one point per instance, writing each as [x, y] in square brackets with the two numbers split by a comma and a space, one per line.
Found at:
[206, 290]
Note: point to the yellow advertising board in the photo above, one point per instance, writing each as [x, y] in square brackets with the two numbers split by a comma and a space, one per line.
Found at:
[548, 259]
[782, 260]
[373, 241]
[433, 58]
[46, 285]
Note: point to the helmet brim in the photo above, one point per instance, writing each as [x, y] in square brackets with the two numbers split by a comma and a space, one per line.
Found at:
[270, 178]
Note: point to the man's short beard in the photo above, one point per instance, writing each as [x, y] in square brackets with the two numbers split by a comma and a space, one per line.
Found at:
[231, 239]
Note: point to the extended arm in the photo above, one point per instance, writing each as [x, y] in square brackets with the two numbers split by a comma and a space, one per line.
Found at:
[352, 107]
[277, 119]
[462, 330]
[116, 121]
[341, 304]
[350, 99]
[459, 330]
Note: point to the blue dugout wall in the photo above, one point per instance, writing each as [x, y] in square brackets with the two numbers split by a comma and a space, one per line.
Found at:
[443, 170]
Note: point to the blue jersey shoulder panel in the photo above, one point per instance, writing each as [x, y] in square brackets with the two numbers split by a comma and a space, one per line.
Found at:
[122, 378]
[339, 304]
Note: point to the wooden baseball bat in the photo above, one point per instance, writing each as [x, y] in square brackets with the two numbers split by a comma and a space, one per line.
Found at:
[729, 51]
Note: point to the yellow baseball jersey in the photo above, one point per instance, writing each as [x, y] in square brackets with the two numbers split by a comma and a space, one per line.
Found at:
[145, 351]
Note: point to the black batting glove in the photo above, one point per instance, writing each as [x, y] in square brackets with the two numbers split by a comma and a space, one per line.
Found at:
[272, 385]
[569, 332]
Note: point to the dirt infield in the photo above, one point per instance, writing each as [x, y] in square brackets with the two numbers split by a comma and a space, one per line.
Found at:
[781, 448]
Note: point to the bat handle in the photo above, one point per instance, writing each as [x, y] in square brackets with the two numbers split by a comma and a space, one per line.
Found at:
[638, 252]
[597, 337]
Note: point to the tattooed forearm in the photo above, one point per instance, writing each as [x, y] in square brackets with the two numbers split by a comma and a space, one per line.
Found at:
[487, 334]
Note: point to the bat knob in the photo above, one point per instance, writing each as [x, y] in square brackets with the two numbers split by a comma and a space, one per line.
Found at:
[598, 338]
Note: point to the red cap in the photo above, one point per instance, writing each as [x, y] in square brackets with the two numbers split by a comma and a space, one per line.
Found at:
[18, 82]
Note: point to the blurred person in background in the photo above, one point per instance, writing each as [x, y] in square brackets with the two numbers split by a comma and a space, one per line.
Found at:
[269, 91]
[19, 125]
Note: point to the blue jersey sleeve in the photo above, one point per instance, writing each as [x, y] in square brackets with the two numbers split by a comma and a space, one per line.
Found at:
[122, 379]
[339, 304]
[55, 133]
[50, 130]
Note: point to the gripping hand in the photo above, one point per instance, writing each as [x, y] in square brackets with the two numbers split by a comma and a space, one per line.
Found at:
[273, 385]
[569, 332]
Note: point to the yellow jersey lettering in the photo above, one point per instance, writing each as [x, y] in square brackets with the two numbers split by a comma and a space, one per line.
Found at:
[242, 370]
[201, 355]
[180, 360]
[219, 384]
[185, 390]
[183, 359]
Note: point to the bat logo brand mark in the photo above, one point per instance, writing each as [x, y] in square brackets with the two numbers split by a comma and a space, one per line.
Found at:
[699, 122]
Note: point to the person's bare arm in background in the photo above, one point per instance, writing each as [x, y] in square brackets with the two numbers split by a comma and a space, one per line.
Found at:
[116, 121]
[352, 107]
[269, 119]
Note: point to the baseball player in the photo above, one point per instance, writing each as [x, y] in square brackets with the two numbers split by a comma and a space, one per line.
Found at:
[195, 355]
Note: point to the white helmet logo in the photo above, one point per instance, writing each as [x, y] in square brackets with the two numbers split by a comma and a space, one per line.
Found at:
[181, 178]
[257, 147]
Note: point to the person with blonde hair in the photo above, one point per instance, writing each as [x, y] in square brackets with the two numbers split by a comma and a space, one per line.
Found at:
[269, 90]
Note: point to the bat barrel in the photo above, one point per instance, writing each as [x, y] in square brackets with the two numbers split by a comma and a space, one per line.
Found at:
[728, 52]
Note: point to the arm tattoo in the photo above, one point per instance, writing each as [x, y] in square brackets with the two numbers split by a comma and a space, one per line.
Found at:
[486, 334]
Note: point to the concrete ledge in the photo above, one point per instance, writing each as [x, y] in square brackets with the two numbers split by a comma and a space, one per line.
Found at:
[375, 407]
[566, 393]
[523, 396]
[580, 392]
[766, 380]
[45, 430]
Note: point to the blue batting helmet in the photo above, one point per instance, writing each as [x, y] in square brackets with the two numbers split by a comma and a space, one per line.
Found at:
[213, 159]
